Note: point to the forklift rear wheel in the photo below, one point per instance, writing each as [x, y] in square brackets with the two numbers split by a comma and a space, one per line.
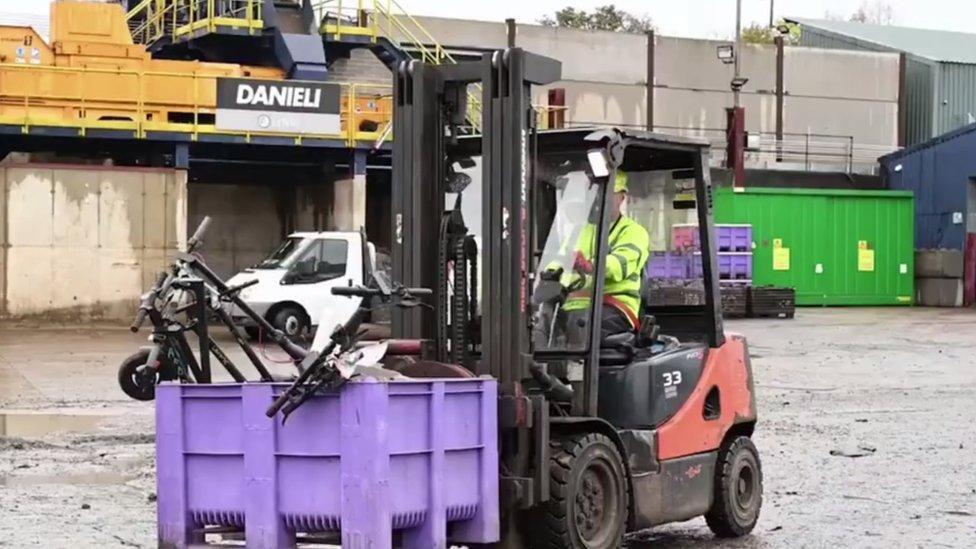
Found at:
[738, 489]
[137, 384]
[291, 320]
[587, 507]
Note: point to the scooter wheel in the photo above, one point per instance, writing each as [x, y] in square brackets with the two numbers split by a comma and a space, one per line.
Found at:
[135, 383]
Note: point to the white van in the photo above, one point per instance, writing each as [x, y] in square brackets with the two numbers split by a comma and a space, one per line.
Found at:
[294, 289]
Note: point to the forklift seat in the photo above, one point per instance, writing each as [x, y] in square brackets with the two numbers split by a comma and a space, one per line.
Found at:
[618, 349]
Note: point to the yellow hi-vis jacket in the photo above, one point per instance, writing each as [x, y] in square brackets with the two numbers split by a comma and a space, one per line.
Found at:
[629, 250]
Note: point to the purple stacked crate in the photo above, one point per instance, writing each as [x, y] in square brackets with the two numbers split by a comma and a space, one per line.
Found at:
[734, 238]
[668, 265]
[365, 461]
[732, 266]
[740, 266]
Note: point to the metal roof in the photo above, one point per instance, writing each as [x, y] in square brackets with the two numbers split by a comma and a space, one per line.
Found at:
[937, 45]
[901, 153]
[40, 23]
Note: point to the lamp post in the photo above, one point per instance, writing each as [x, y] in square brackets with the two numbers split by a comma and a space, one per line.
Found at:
[738, 47]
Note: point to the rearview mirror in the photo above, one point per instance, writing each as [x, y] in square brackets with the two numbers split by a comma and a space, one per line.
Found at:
[599, 164]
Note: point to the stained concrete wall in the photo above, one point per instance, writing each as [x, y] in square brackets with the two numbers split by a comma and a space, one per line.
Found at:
[82, 242]
[605, 77]
[251, 218]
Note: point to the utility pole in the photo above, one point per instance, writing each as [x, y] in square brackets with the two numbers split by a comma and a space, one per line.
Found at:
[772, 20]
[735, 124]
[738, 53]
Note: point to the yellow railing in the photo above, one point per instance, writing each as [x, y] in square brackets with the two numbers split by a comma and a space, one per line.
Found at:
[146, 101]
[152, 20]
[387, 18]
[551, 117]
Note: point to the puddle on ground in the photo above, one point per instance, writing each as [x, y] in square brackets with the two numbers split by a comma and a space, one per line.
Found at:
[102, 478]
[26, 424]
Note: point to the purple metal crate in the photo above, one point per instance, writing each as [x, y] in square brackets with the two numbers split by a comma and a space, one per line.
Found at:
[734, 238]
[668, 265]
[374, 457]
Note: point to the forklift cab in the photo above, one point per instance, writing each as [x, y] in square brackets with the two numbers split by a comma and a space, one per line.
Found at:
[645, 374]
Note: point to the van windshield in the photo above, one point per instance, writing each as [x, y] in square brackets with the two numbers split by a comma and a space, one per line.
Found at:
[284, 255]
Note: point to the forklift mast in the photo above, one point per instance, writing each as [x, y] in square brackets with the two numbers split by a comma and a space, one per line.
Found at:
[431, 108]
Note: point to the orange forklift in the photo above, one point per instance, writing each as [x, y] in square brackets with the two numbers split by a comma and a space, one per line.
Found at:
[599, 434]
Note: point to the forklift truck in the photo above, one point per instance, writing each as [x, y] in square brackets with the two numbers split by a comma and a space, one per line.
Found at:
[598, 437]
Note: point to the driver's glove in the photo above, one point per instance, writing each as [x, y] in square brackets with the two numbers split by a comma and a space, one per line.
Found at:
[582, 264]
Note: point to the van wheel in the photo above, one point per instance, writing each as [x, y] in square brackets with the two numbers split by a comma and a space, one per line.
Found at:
[587, 507]
[738, 489]
[291, 320]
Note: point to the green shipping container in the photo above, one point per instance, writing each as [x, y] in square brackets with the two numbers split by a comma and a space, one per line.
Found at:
[836, 247]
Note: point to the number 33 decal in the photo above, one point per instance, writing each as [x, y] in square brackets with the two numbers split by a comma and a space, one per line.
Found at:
[672, 378]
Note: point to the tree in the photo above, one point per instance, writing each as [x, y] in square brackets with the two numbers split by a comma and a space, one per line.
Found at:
[602, 18]
[761, 34]
[875, 13]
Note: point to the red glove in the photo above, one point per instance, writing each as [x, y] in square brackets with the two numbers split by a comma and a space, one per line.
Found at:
[582, 264]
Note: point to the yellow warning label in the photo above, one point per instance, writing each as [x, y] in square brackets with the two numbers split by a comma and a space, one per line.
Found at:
[781, 259]
[862, 244]
[777, 242]
[865, 260]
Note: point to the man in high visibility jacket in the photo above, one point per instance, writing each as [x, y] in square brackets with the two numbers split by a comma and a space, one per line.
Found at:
[629, 250]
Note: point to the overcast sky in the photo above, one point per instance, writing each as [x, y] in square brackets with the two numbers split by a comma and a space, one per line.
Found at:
[695, 18]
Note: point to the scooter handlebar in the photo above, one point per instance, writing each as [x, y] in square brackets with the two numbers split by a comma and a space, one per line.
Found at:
[363, 291]
[198, 235]
[140, 318]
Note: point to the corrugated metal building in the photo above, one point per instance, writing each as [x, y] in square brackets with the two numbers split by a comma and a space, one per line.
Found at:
[942, 173]
[939, 70]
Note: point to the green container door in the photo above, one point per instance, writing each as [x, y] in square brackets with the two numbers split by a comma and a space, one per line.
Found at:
[836, 247]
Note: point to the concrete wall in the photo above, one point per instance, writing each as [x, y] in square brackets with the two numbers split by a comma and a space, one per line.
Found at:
[251, 218]
[605, 74]
[79, 242]
[361, 67]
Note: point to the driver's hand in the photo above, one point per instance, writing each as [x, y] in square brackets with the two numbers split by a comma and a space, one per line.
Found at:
[582, 265]
[553, 273]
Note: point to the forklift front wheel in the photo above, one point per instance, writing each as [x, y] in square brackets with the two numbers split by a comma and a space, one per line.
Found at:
[738, 489]
[587, 507]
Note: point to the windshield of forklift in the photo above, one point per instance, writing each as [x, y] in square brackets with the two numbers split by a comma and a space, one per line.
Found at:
[567, 203]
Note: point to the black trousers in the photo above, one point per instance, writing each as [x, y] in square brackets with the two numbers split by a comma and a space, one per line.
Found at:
[612, 321]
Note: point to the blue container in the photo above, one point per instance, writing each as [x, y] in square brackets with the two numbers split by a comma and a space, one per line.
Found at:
[940, 173]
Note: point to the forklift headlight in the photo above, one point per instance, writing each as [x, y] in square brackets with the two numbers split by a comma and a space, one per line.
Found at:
[599, 164]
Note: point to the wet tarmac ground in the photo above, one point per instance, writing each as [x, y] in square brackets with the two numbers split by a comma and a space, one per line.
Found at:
[895, 387]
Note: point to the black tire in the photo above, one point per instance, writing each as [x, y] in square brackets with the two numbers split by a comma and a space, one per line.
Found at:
[738, 489]
[134, 384]
[291, 320]
[253, 332]
[588, 495]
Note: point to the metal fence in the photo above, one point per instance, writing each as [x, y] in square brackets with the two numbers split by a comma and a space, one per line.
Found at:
[811, 150]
